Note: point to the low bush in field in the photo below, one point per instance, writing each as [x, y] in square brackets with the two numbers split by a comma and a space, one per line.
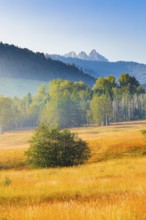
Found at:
[55, 147]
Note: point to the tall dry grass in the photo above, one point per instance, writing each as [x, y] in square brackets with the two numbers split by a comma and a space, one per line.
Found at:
[113, 189]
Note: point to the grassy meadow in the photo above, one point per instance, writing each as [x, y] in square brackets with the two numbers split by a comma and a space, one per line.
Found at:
[110, 186]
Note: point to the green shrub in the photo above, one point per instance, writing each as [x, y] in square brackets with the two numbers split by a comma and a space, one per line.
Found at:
[6, 181]
[55, 147]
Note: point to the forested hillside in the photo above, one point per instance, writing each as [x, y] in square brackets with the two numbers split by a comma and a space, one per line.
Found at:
[17, 63]
[74, 104]
[103, 69]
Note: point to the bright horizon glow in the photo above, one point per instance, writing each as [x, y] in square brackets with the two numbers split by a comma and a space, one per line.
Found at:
[115, 28]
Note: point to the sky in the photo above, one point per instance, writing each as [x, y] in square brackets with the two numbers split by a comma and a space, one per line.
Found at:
[115, 28]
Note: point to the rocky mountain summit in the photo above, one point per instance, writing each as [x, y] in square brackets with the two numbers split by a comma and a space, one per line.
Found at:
[93, 56]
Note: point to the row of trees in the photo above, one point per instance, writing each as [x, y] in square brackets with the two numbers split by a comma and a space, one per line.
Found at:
[69, 104]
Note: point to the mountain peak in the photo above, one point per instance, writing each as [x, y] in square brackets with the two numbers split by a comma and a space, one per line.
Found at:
[93, 51]
[71, 54]
[82, 55]
[92, 56]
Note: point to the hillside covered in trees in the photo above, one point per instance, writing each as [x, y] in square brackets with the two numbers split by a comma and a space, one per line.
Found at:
[103, 69]
[74, 104]
[23, 64]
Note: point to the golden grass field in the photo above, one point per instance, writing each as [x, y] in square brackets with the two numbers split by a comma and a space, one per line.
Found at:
[110, 186]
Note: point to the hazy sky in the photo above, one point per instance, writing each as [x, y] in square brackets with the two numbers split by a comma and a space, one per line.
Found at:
[115, 28]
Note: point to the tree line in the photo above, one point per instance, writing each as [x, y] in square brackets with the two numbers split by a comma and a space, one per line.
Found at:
[73, 104]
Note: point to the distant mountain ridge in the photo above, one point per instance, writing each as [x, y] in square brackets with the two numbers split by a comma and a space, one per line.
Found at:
[18, 63]
[101, 69]
[92, 56]
[22, 71]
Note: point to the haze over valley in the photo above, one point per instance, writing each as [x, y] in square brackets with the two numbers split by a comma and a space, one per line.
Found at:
[23, 71]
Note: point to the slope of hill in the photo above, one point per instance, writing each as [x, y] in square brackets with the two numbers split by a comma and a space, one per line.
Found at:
[96, 68]
[17, 63]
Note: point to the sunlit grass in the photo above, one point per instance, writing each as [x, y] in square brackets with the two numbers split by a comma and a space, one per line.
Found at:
[15, 139]
[115, 189]
[12, 148]
[123, 209]
[117, 144]
[112, 189]
[105, 143]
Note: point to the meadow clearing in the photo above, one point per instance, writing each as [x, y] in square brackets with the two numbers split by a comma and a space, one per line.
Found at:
[110, 186]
